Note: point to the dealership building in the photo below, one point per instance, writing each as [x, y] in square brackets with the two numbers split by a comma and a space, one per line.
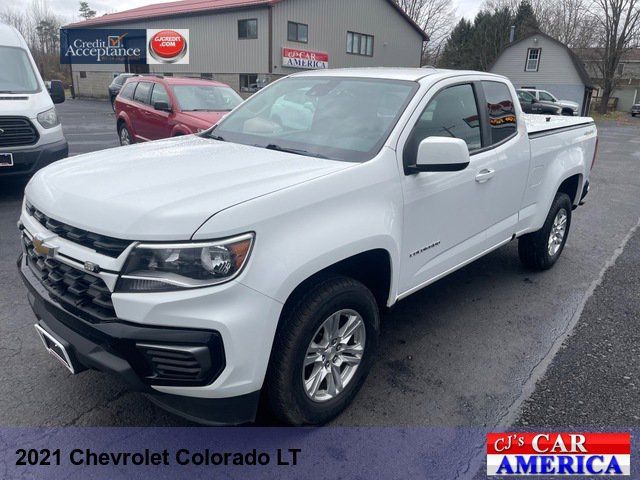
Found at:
[248, 43]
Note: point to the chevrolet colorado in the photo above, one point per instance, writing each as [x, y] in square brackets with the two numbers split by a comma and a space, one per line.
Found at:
[255, 258]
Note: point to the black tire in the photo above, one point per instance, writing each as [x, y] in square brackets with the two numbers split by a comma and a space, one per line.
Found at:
[122, 127]
[284, 383]
[533, 248]
[113, 104]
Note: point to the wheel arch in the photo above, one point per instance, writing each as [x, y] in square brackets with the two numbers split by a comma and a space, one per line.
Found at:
[372, 268]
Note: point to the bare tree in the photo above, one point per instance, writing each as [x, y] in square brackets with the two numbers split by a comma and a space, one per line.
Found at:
[437, 18]
[619, 22]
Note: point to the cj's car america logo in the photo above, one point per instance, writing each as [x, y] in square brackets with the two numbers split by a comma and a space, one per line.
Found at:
[594, 454]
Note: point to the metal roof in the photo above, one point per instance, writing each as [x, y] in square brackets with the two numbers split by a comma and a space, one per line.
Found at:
[190, 7]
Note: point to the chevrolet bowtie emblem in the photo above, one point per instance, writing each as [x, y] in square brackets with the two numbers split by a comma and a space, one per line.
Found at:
[41, 246]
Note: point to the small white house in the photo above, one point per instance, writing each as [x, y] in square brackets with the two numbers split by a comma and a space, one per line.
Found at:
[542, 62]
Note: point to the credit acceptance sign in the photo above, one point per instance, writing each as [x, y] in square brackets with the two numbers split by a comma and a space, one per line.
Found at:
[124, 46]
[294, 58]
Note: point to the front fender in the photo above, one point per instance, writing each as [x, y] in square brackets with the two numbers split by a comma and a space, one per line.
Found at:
[306, 228]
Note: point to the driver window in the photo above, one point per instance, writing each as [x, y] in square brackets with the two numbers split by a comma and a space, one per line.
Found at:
[451, 113]
[159, 95]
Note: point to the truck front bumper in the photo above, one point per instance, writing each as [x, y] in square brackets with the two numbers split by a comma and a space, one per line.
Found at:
[128, 350]
[27, 161]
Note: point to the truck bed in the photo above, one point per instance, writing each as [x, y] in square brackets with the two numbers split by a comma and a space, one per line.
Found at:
[544, 124]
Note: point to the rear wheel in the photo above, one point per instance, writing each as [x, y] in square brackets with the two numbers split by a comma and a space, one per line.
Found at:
[124, 135]
[113, 103]
[540, 250]
[322, 353]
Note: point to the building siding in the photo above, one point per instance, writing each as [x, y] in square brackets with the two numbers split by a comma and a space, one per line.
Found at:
[556, 71]
[396, 43]
[216, 49]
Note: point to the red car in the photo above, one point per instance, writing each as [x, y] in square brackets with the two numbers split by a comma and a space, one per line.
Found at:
[154, 107]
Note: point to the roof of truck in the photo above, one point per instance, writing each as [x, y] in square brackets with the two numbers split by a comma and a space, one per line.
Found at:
[392, 73]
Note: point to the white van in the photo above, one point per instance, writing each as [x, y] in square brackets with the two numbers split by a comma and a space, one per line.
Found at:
[30, 131]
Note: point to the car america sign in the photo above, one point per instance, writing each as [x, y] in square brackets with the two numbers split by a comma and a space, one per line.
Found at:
[294, 58]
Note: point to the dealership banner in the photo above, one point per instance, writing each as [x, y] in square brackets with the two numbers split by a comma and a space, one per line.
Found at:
[103, 46]
[295, 58]
[124, 46]
[113, 453]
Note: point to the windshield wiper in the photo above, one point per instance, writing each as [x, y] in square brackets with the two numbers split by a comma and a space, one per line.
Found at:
[278, 148]
[213, 136]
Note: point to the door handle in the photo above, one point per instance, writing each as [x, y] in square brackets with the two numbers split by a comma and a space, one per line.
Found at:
[485, 175]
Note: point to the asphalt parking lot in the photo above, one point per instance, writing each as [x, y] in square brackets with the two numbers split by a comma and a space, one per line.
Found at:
[466, 351]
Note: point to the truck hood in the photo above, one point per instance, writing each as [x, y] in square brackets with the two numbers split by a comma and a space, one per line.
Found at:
[165, 190]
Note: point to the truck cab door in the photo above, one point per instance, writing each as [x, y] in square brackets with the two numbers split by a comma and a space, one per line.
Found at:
[445, 213]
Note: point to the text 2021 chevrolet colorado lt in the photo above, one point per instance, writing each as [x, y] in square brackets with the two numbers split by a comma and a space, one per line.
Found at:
[255, 257]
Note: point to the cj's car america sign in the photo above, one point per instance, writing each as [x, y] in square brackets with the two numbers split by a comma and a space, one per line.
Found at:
[295, 58]
[124, 46]
[558, 454]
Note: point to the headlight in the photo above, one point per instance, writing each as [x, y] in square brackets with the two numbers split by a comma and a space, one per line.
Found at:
[48, 119]
[164, 267]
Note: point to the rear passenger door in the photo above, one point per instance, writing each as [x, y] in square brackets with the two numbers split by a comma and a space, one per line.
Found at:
[509, 143]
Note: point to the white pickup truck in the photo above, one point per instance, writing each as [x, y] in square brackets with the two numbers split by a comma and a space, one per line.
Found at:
[255, 258]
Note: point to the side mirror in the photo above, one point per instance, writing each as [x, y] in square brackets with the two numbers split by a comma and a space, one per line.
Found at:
[56, 91]
[163, 106]
[441, 154]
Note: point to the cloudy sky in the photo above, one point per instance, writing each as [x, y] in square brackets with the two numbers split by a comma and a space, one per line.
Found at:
[69, 8]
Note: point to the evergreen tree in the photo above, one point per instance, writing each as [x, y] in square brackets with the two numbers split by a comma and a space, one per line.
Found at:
[85, 11]
[525, 20]
[458, 51]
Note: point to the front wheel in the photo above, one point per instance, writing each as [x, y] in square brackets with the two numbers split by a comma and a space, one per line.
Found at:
[323, 351]
[540, 250]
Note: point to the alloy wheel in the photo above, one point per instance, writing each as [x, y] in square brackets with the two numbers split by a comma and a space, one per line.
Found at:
[333, 355]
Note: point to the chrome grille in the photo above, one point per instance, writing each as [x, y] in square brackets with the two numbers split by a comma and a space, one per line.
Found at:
[17, 131]
[84, 295]
[112, 247]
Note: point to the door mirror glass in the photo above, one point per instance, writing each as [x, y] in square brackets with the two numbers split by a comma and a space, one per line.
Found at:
[441, 154]
[162, 106]
[56, 91]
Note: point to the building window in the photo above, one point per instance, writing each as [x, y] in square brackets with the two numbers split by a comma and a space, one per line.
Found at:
[297, 32]
[533, 60]
[248, 82]
[360, 44]
[248, 29]
[620, 69]
[83, 74]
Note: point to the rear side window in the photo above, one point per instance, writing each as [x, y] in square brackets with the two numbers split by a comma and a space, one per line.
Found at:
[452, 112]
[143, 92]
[500, 111]
[127, 90]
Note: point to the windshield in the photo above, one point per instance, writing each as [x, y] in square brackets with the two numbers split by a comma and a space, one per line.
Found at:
[525, 96]
[17, 75]
[332, 117]
[546, 96]
[205, 98]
